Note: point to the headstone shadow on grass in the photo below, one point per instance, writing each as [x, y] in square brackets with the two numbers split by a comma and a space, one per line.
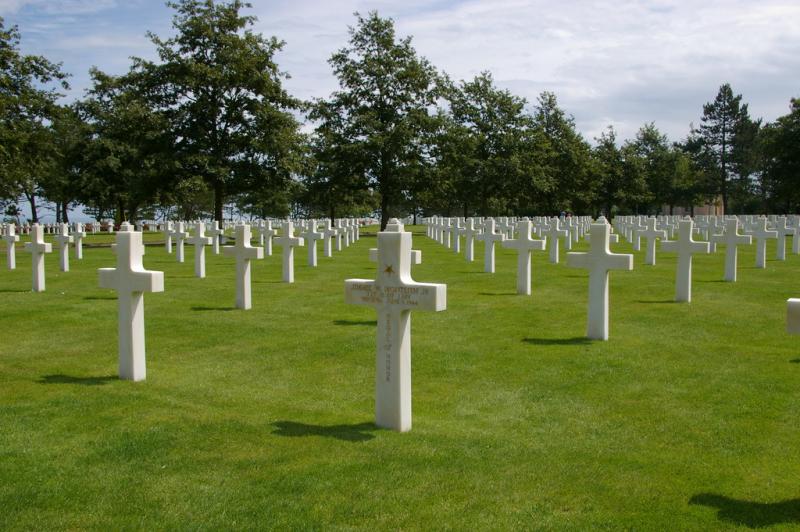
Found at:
[69, 379]
[356, 322]
[354, 433]
[577, 340]
[749, 513]
[795, 361]
[202, 308]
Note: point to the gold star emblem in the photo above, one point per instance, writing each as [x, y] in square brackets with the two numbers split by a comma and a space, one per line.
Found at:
[389, 269]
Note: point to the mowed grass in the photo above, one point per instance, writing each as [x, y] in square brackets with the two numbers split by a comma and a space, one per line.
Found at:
[687, 418]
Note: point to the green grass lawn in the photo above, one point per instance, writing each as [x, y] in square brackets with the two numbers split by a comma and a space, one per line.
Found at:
[687, 418]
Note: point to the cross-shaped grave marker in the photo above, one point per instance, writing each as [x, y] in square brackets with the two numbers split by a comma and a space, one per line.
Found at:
[215, 233]
[761, 234]
[244, 253]
[288, 242]
[180, 235]
[685, 247]
[524, 244]
[200, 241]
[470, 232]
[553, 232]
[394, 294]
[131, 281]
[37, 247]
[328, 232]
[650, 233]
[78, 234]
[64, 239]
[167, 230]
[731, 238]
[311, 235]
[11, 238]
[489, 237]
[599, 261]
[783, 231]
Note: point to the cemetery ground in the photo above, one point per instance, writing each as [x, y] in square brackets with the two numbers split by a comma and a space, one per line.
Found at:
[687, 418]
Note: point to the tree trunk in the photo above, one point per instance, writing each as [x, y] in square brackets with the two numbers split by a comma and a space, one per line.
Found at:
[332, 212]
[384, 211]
[58, 212]
[218, 200]
[65, 212]
[32, 201]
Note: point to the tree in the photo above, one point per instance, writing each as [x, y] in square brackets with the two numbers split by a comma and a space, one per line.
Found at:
[221, 90]
[727, 135]
[781, 161]
[383, 103]
[29, 87]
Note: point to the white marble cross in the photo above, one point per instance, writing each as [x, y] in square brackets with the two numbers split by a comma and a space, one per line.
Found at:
[553, 232]
[200, 241]
[37, 247]
[64, 239]
[168, 236]
[761, 234]
[599, 261]
[685, 247]
[131, 281]
[328, 232]
[288, 242]
[470, 233]
[524, 244]
[489, 237]
[11, 237]
[180, 235]
[78, 234]
[793, 316]
[311, 235]
[244, 253]
[731, 238]
[783, 231]
[650, 233]
[215, 233]
[394, 294]
[269, 232]
[457, 230]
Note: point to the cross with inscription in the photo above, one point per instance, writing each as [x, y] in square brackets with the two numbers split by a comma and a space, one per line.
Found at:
[131, 281]
[11, 238]
[599, 261]
[394, 294]
[524, 244]
[685, 247]
[244, 253]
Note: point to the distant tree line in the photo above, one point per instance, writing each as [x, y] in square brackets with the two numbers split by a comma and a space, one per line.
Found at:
[209, 127]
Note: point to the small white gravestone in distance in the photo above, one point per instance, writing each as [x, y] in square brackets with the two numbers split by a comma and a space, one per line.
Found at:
[37, 247]
[731, 238]
[311, 235]
[761, 234]
[553, 233]
[78, 234]
[489, 237]
[650, 233]
[685, 247]
[288, 242]
[244, 253]
[200, 241]
[394, 294]
[131, 281]
[599, 261]
[180, 235]
[783, 231]
[524, 244]
[11, 238]
[64, 239]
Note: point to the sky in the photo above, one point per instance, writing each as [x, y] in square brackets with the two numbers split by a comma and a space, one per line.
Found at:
[622, 63]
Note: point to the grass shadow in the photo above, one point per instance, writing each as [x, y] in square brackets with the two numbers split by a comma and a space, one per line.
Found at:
[664, 301]
[69, 379]
[99, 298]
[711, 281]
[13, 291]
[353, 433]
[497, 293]
[577, 340]
[748, 513]
[202, 308]
[795, 361]
[355, 322]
